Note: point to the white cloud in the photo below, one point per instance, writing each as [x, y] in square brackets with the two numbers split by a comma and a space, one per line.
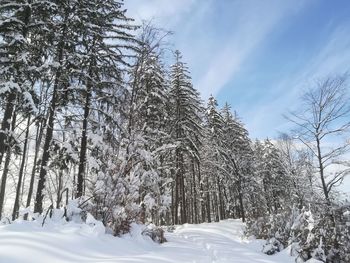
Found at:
[218, 37]
[251, 23]
[215, 58]
[333, 58]
[165, 12]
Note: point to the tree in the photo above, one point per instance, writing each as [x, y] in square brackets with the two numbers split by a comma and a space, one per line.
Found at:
[213, 162]
[15, 19]
[238, 153]
[21, 27]
[185, 130]
[61, 42]
[324, 117]
[88, 49]
[276, 182]
[99, 61]
[297, 163]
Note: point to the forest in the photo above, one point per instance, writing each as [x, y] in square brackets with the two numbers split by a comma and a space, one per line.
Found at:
[99, 116]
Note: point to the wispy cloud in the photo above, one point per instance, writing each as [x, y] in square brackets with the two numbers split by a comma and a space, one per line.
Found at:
[251, 24]
[333, 58]
[166, 13]
[215, 58]
[218, 38]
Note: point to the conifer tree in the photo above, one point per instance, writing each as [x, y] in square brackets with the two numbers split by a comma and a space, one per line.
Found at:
[238, 153]
[185, 130]
[212, 168]
[22, 24]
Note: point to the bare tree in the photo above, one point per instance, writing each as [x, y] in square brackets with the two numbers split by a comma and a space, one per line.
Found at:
[297, 163]
[323, 122]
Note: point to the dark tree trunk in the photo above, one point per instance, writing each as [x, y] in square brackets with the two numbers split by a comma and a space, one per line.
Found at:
[4, 179]
[5, 124]
[320, 166]
[216, 206]
[208, 202]
[201, 195]
[240, 197]
[46, 150]
[240, 193]
[38, 207]
[221, 205]
[59, 188]
[83, 146]
[190, 211]
[176, 201]
[20, 174]
[39, 134]
[172, 203]
[183, 196]
[194, 195]
[6, 168]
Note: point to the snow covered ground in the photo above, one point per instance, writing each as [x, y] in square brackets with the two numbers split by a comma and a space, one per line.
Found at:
[215, 242]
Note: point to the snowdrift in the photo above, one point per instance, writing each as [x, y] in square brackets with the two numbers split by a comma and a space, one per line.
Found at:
[60, 241]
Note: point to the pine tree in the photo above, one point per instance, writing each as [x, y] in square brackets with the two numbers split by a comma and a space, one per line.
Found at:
[22, 25]
[185, 130]
[238, 158]
[213, 162]
[86, 59]
[100, 22]
[275, 181]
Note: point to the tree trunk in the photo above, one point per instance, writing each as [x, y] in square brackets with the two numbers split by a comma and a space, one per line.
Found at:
[20, 174]
[46, 150]
[320, 166]
[201, 195]
[83, 145]
[190, 210]
[39, 134]
[5, 124]
[172, 203]
[59, 188]
[194, 195]
[176, 201]
[183, 196]
[6, 168]
[221, 203]
[208, 202]
[216, 206]
[240, 193]
[240, 197]
[3, 179]
[38, 207]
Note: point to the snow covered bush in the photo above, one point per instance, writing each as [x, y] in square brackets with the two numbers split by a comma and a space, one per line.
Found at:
[155, 233]
[272, 246]
[301, 233]
[275, 228]
[73, 211]
[323, 235]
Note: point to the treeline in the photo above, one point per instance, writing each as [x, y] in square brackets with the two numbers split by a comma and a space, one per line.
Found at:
[91, 111]
[314, 221]
[93, 115]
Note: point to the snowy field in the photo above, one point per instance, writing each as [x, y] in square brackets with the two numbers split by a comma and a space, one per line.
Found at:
[215, 242]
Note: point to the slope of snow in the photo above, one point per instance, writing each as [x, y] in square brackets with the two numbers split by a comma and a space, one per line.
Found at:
[215, 242]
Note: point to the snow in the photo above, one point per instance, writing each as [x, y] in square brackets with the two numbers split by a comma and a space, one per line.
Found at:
[312, 260]
[56, 242]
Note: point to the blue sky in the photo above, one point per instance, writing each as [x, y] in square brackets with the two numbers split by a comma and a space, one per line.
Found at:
[258, 55]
